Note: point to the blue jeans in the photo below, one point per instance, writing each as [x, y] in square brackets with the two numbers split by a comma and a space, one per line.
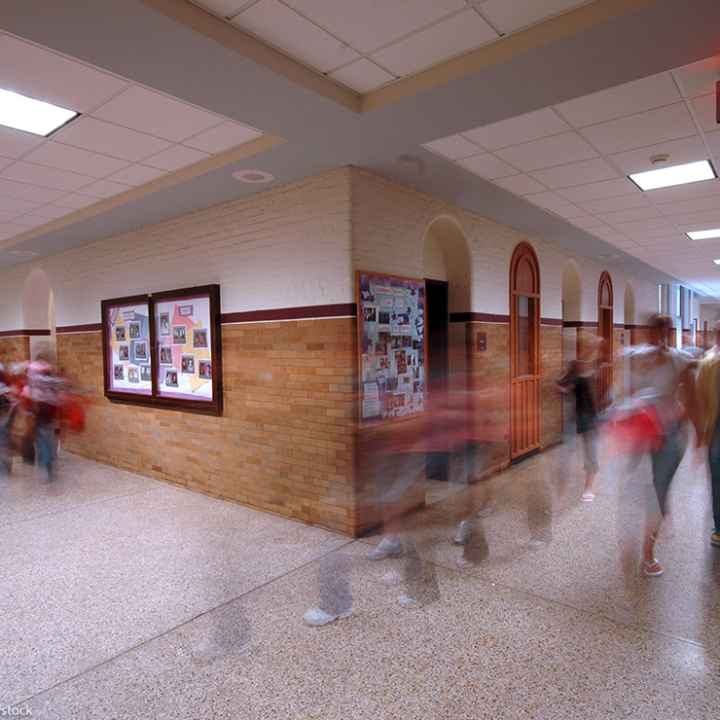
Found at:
[45, 443]
[714, 458]
[665, 462]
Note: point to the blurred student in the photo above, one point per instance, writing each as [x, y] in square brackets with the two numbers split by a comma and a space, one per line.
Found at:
[707, 425]
[663, 386]
[578, 382]
[44, 390]
[6, 405]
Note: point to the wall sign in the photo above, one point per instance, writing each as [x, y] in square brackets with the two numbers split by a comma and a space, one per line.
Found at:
[392, 347]
[164, 349]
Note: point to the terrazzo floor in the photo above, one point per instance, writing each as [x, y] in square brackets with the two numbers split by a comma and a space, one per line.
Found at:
[124, 597]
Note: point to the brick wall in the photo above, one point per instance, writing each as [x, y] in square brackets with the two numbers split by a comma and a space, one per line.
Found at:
[285, 443]
[551, 367]
[14, 349]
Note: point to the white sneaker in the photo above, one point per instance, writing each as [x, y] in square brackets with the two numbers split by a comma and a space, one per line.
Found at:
[408, 602]
[536, 544]
[486, 511]
[386, 548]
[317, 617]
[462, 533]
[464, 563]
[588, 496]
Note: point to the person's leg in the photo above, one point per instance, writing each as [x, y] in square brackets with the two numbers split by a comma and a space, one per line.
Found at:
[665, 462]
[335, 594]
[589, 439]
[714, 463]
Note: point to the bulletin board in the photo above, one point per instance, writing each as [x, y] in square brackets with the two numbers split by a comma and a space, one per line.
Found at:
[164, 349]
[392, 346]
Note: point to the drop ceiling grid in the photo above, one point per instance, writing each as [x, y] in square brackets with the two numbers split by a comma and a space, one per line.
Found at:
[630, 219]
[58, 156]
[373, 66]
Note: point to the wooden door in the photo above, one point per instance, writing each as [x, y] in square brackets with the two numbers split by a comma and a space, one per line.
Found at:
[605, 330]
[524, 352]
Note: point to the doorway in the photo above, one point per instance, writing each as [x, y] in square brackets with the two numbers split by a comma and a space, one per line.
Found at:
[524, 352]
[605, 330]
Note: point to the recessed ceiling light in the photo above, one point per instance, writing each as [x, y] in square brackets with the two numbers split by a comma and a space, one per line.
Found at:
[704, 234]
[717, 262]
[33, 116]
[674, 175]
[253, 176]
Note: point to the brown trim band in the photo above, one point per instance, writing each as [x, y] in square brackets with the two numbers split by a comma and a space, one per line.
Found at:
[551, 321]
[293, 313]
[579, 324]
[478, 317]
[25, 333]
[630, 326]
[90, 327]
[619, 326]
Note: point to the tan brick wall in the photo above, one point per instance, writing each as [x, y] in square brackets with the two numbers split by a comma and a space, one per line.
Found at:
[14, 349]
[550, 371]
[285, 443]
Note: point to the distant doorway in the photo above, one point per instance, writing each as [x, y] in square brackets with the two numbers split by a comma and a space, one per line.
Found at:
[605, 330]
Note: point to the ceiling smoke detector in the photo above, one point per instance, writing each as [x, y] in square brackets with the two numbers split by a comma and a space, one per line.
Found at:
[253, 177]
[659, 159]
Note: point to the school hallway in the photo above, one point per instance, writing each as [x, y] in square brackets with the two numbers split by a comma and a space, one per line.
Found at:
[126, 597]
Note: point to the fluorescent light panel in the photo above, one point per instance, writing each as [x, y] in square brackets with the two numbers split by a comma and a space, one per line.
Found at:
[717, 262]
[704, 234]
[33, 116]
[674, 175]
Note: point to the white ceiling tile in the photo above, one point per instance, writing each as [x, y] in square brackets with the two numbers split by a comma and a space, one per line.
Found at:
[685, 192]
[555, 150]
[633, 97]
[45, 75]
[588, 222]
[137, 175]
[150, 112]
[579, 173]
[282, 27]
[446, 39]
[14, 143]
[705, 109]
[4, 162]
[105, 189]
[16, 206]
[49, 212]
[680, 151]
[175, 158]
[24, 191]
[595, 191]
[648, 128]
[75, 201]
[698, 220]
[31, 221]
[521, 185]
[623, 216]
[222, 137]
[487, 166]
[108, 139]
[509, 15]
[657, 226]
[362, 76]
[223, 8]
[65, 157]
[611, 204]
[682, 207]
[46, 177]
[516, 130]
[6, 216]
[713, 139]
[370, 25]
[453, 147]
[8, 230]
[699, 78]
[610, 235]
[551, 201]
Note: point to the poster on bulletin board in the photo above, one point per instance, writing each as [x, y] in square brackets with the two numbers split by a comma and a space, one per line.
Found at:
[392, 346]
[127, 327]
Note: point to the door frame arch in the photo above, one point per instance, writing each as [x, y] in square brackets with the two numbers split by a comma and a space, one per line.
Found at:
[524, 386]
[605, 315]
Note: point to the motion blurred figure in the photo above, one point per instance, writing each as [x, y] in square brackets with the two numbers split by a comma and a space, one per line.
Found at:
[44, 390]
[708, 425]
[6, 406]
[578, 381]
[663, 386]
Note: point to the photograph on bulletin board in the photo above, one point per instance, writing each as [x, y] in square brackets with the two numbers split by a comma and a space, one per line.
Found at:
[127, 337]
[185, 355]
[391, 335]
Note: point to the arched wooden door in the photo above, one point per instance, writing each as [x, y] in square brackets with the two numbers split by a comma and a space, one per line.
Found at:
[524, 351]
[605, 330]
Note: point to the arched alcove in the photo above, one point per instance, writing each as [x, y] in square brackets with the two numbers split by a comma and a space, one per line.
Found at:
[38, 306]
[605, 316]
